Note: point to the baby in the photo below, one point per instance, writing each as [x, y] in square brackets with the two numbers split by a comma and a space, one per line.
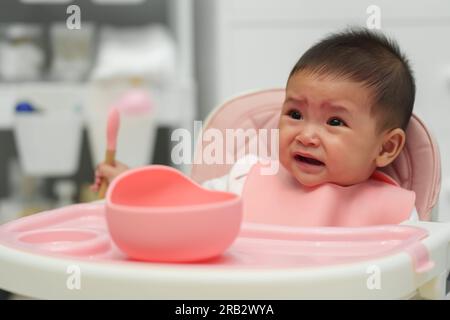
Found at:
[348, 102]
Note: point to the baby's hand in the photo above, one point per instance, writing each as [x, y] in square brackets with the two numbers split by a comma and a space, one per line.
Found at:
[106, 171]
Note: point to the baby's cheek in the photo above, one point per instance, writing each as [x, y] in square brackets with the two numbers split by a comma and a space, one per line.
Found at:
[283, 147]
[284, 159]
[341, 162]
[283, 140]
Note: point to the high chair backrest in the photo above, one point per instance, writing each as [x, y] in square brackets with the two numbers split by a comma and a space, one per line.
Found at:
[417, 168]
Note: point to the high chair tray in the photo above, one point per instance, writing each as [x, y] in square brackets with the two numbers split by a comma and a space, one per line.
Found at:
[67, 253]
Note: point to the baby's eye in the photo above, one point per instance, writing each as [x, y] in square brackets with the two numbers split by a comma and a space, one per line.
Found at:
[336, 122]
[294, 114]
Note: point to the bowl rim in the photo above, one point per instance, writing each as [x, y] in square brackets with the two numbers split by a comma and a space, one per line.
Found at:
[234, 199]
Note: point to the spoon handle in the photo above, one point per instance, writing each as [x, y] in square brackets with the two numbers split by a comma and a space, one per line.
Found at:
[109, 159]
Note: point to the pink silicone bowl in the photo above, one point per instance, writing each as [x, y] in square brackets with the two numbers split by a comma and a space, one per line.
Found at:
[155, 213]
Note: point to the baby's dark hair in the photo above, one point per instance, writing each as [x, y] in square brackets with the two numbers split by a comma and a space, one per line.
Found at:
[370, 58]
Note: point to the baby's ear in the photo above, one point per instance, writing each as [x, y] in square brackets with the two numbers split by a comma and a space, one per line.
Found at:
[392, 145]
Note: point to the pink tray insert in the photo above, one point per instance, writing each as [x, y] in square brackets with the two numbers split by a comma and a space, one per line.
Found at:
[80, 232]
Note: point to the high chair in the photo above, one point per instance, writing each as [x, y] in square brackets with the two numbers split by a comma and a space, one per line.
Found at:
[410, 260]
[417, 167]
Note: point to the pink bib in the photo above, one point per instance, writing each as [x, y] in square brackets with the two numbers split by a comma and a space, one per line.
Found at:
[280, 199]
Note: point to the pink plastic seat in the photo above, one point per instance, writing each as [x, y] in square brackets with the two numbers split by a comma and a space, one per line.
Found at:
[417, 168]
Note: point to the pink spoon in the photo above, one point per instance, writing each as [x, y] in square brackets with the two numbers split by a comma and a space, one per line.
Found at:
[111, 138]
[133, 102]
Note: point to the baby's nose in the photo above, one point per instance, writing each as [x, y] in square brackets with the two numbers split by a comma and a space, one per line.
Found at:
[308, 137]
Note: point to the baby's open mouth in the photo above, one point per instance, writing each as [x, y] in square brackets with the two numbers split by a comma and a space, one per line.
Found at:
[307, 160]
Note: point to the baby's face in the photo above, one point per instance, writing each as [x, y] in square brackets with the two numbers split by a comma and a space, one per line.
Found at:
[327, 133]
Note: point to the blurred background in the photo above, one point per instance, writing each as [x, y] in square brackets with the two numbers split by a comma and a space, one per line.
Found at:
[64, 63]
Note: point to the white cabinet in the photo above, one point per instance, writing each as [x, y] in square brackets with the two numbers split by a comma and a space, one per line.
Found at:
[178, 105]
[174, 98]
